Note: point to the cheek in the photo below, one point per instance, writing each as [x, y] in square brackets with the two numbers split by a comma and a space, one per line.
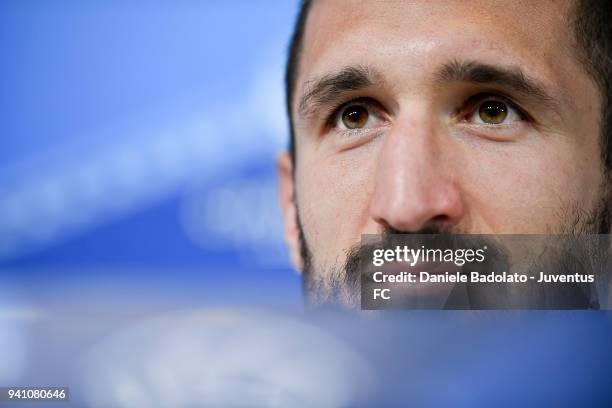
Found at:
[334, 193]
[532, 188]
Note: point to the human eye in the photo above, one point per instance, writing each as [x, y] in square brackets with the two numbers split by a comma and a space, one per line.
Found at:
[358, 115]
[493, 111]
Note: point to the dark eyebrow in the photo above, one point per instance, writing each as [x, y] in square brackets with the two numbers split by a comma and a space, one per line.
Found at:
[323, 90]
[511, 77]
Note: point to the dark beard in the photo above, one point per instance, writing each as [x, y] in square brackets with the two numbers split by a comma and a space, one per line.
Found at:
[341, 284]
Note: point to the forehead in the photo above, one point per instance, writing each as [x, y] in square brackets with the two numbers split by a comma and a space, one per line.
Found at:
[403, 38]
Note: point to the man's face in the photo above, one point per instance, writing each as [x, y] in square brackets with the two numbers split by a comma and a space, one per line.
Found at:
[472, 117]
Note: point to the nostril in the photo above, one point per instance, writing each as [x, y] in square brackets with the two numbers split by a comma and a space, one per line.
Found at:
[437, 225]
[441, 219]
[383, 226]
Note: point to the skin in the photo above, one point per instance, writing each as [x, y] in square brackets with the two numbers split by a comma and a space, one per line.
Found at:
[423, 159]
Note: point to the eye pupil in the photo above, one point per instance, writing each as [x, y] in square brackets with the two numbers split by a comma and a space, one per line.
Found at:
[355, 117]
[493, 112]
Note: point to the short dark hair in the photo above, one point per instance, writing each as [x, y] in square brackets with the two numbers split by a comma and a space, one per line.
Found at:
[592, 30]
[293, 62]
[591, 21]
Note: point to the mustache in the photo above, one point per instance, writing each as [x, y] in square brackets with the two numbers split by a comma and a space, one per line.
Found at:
[563, 254]
[432, 238]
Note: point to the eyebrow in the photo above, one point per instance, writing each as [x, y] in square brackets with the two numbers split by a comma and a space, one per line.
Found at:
[512, 77]
[321, 91]
[328, 88]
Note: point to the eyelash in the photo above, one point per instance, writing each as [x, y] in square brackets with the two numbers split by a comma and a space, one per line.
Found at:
[468, 107]
[336, 110]
[472, 103]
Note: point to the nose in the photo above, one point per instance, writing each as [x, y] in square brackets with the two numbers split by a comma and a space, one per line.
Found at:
[416, 182]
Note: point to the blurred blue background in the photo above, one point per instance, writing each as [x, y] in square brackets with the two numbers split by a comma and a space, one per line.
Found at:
[142, 135]
[138, 135]
[137, 184]
[137, 165]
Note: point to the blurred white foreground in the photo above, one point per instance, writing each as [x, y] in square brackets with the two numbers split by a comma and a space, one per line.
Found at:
[224, 357]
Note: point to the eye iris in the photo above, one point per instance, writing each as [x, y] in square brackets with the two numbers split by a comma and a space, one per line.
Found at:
[355, 117]
[493, 112]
